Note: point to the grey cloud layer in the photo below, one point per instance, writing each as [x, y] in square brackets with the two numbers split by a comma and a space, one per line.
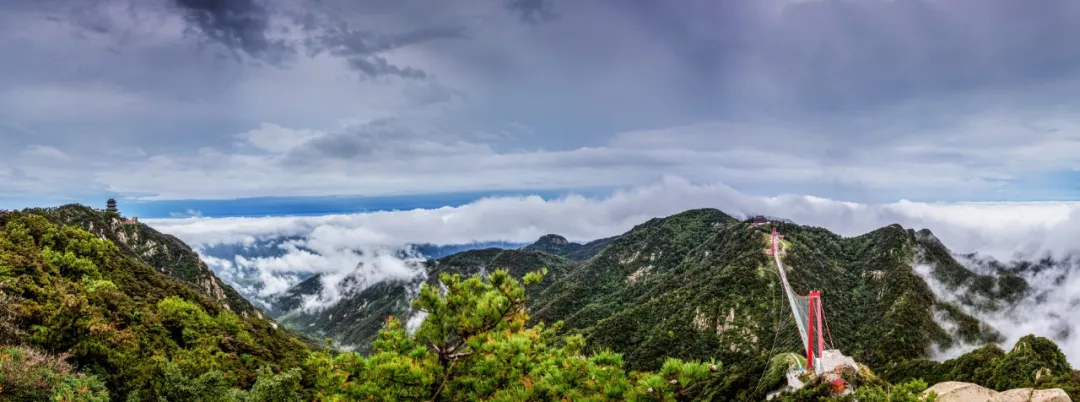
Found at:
[238, 24]
[384, 157]
[856, 97]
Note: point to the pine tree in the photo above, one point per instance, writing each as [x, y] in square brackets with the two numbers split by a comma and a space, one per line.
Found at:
[474, 344]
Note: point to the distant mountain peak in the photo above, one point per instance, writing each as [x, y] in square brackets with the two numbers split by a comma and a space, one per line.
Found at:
[552, 239]
[554, 244]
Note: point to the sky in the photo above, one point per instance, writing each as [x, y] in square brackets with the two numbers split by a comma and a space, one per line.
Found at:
[188, 101]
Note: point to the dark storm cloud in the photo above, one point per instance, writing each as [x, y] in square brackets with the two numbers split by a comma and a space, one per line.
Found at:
[356, 142]
[248, 27]
[363, 49]
[533, 11]
[240, 25]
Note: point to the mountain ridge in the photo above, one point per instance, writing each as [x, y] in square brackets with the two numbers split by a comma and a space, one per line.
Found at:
[133, 330]
[703, 274]
[164, 252]
[696, 284]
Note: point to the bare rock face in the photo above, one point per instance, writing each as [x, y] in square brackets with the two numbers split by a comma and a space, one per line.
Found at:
[1017, 395]
[966, 392]
[1032, 395]
[953, 391]
[1050, 395]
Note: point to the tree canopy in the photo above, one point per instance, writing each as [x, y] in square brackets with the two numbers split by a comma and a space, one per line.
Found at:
[474, 344]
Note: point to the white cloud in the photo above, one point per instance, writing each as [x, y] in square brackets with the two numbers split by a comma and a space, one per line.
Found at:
[1050, 313]
[277, 139]
[188, 212]
[44, 152]
[368, 268]
[996, 228]
[383, 156]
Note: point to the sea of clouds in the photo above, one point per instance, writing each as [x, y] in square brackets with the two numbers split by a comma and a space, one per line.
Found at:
[376, 243]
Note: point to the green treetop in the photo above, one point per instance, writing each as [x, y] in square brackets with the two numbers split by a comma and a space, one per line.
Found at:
[474, 345]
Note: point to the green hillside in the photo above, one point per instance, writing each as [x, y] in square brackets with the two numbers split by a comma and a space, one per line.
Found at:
[73, 298]
[698, 284]
[558, 245]
[94, 309]
[355, 321]
[702, 276]
[1033, 361]
[711, 291]
[164, 252]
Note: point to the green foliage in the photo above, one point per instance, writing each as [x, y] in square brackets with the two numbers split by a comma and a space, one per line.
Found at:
[80, 388]
[911, 391]
[144, 335]
[29, 374]
[776, 375]
[689, 286]
[175, 383]
[975, 367]
[982, 292]
[94, 285]
[357, 320]
[475, 344]
[907, 392]
[1034, 362]
[270, 387]
[557, 245]
[164, 253]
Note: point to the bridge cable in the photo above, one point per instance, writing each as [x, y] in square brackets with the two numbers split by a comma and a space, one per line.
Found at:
[776, 334]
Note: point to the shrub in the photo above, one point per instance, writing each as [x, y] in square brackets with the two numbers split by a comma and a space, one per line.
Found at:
[29, 374]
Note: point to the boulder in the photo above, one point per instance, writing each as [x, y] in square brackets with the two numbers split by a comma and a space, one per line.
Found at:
[1017, 395]
[1032, 395]
[966, 392]
[953, 391]
[1050, 395]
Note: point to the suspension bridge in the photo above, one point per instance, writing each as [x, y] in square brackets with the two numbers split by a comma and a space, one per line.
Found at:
[809, 317]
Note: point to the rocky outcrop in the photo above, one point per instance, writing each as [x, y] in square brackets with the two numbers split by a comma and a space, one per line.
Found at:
[1034, 395]
[953, 391]
[967, 392]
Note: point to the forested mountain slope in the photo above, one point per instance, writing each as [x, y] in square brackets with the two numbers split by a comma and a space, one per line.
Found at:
[111, 311]
[698, 284]
[356, 319]
[558, 245]
[164, 252]
[128, 328]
